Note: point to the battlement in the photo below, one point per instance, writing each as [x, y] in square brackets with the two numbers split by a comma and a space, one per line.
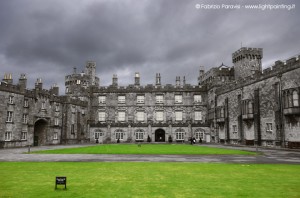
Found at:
[247, 52]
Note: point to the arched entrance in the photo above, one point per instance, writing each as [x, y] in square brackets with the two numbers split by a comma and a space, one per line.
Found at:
[160, 135]
[40, 132]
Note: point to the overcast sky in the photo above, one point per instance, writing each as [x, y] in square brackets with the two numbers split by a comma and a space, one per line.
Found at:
[47, 38]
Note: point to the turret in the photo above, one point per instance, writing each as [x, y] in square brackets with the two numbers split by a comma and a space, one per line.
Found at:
[91, 71]
[137, 79]
[39, 84]
[115, 80]
[8, 79]
[54, 90]
[201, 75]
[157, 79]
[23, 81]
[247, 61]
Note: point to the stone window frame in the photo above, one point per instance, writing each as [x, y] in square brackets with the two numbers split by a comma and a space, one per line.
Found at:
[159, 99]
[140, 116]
[140, 99]
[101, 116]
[26, 102]
[121, 99]
[179, 134]
[25, 119]
[8, 136]
[178, 98]
[269, 127]
[10, 116]
[98, 133]
[121, 116]
[55, 136]
[199, 133]
[119, 134]
[197, 98]
[101, 99]
[11, 100]
[159, 115]
[24, 135]
[139, 134]
[178, 115]
[234, 128]
[198, 115]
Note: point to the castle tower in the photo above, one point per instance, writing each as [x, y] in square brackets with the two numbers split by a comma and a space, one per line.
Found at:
[177, 80]
[23, 81]
[115, 80]
[247, 61]
[137, 79]
[157, 79]
[55, 90]
[90, 70]
[201, 75]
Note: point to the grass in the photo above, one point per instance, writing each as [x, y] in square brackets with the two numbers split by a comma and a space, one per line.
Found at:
[142, 179]
[156, 149]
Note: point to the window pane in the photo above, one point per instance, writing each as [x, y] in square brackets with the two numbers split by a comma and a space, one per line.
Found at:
[178, 115]
[198, 115]
[121, 116]
[197, 98]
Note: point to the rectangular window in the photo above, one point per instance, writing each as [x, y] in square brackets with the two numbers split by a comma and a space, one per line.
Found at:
[9, 117]
[269, 127]
[198, 115]
[78, 82]
[43, 105]
[73, 129]
[98, 134]
[178, 98]
[11, 100]
[24, 135]
[140, 99]
[178, 115]
[139, 136]
[180, 136]
[73, 108]
[26, 103]
[101, 99]
[197, 98]
[119, 135]
[159, 116]
[57, 107]
[56, 121]
[55, 135]
[121, 116]
[140, 116]
[25, 118]
[199, 135]
[234, 127]
[159, 99]
[121, 99]
[101, 116]
[7, 136]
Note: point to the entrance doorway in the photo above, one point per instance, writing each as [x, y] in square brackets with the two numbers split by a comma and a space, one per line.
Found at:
[40, 132]
[160, 135]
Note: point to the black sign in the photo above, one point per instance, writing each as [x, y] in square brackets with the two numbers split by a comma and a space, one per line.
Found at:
[61, 181]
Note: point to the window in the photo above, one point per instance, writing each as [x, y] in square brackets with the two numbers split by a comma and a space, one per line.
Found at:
[140, 116]
[67, 89]
[222, 112]
[7, 136]
[11, 100]
[72, 129]
[159, 99]
[140, 99]
[121, 99]
[269, 127]
[56, 121]
[98, 134]
[178, 115]
[26, 103]
[159, 115]
[197, 98]
[9, 117]
[43, 105]
[121, 116]
[24, 135]
[25, 118]
[295, 99]
[101, 116]
[73, 108]
[57, 107]
[55, 135]
[139, 134]
[250, 107]
[178, 98]
[78, 82]
[101, 99]
[198, 115]
[199, 135]
[234, 127]
[119, 134]
[179, 135]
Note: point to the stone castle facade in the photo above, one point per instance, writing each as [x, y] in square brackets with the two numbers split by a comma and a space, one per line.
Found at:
[230, 105]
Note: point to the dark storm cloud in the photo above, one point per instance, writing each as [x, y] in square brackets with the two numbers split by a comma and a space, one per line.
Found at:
[48, 38]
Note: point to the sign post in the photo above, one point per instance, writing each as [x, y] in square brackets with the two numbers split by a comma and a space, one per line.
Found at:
[61, 181]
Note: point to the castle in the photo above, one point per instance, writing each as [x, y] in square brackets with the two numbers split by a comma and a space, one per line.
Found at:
[242, 104]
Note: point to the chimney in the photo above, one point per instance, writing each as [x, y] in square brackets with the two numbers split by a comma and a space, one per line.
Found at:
[183, 82]
[137, 79]
[115, 80]
[8, 79]
[39, 84]
[23, 82]
[158, 80]
[55, 90]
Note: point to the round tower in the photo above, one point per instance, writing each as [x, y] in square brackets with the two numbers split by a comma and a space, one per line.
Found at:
[247, 61]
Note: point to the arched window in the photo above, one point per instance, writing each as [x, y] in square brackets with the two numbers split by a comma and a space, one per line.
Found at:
[295, 99]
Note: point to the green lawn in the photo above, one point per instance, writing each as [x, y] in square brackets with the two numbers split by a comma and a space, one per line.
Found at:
[144, 179]
[158, 149]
